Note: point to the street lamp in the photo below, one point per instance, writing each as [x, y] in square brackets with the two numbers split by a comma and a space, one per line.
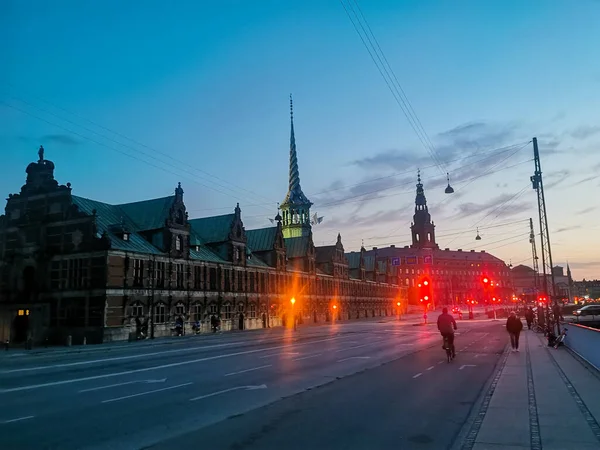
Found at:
[293, 300]
[398, 305]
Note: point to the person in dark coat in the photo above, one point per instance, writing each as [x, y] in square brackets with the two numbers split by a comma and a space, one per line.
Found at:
[514, 327]
[529, 316]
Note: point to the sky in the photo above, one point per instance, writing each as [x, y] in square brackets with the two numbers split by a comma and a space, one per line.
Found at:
[129, 98]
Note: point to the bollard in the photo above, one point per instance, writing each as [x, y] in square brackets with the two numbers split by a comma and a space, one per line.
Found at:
[6, 345]
[84, 340]
[69, 340]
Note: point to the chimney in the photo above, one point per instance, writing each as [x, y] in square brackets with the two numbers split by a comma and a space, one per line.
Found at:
[392, 246]
[460, 249]
[374, 248]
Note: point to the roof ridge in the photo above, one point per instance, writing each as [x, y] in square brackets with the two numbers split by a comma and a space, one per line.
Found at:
[145, 201]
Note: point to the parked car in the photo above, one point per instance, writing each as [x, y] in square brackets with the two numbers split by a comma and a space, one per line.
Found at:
[589, 310]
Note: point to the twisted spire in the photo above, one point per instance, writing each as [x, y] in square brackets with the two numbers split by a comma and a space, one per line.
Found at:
[295, 194]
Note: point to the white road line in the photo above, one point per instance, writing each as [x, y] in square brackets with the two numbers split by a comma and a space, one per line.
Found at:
[117, 358]
[429, 368]
[279, 354]
[145, 393]
[248, 370]
[417, 375]
[307, 357]
[247, 388]
[122, 384]
[151, 368]
[18, 420]
[441, 362]
[356, 346]
[354, 357]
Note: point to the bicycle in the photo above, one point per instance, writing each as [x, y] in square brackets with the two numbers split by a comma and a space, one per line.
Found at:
[449, 352]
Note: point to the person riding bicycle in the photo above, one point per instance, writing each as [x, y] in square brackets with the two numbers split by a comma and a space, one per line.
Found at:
[446, 325]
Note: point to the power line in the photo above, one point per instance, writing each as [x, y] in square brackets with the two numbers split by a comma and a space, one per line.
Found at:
[394, 90]
[124, 137]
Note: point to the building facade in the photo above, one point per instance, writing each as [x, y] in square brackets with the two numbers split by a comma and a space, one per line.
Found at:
[72, 266]
[456, 275]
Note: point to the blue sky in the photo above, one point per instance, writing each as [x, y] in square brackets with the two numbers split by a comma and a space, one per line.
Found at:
[197, 92]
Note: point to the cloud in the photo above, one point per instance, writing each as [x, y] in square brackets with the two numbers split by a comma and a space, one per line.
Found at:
[382, 217]
[584, 180]
[500, 202]
[587, 210]
[564, 229]
[557, 177]
[59, 139]
[584, 131]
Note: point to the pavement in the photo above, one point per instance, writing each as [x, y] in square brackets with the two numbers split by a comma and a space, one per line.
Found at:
[374, 384]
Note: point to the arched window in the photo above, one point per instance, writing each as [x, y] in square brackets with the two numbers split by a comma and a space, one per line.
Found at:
[178, 243]
[136, 310]
[160, 313]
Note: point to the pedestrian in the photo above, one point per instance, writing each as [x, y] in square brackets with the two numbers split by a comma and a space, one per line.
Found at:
[529, 317]
[514, 327]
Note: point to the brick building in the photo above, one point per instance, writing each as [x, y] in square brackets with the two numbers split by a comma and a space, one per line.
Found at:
[456, 275]
[75, 266]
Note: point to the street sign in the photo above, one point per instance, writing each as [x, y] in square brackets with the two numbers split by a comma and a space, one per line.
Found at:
[411, 260]
[395, 261]
[427, 259]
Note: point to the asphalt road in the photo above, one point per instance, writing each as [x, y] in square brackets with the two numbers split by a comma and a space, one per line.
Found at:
[359, 385]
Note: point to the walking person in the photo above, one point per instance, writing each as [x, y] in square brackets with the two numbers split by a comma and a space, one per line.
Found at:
[529, 315]
[514, 327]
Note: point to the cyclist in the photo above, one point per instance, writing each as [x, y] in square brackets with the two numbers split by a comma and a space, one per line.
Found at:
[446, 325]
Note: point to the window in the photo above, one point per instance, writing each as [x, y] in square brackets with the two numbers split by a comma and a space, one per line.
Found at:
[240, 281]
[213, 309]
[252, 312]
[179, 309]
[198, 277]
[212, 275]
[178, 243]
[159, 313]
[227, 310]
[197, 311]
[138, 272]
[240, 308]
[125, 236]
[76, 277]
[179, 275]
[137, 310]
[160, 274]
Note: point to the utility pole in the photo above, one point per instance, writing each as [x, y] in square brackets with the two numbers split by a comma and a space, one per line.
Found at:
[536, 268]
[538, 186]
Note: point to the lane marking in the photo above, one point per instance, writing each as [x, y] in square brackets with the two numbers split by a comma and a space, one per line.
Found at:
[116, 358]
[122, 384]
[466, 365]
[354, 357]
[145, 393]
[18, 419]
[248, 370]
[279, 354]
[357, 346]
[429, 368]
[151, 368]
[441, 362]
[418, 375]
[307, 357]
[247, 388]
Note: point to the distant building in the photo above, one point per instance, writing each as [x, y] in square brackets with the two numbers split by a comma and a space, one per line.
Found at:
[529, 284]
[72, 266]
[456, 274]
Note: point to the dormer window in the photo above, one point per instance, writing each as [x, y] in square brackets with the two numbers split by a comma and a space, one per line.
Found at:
[125, 236]
[178, 243]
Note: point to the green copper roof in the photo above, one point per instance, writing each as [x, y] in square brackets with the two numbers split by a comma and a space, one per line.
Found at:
[148, 214]
[255, 261]
[353, 260]
[111, 215]
[211, 230]
[204, 254]
[261, 240]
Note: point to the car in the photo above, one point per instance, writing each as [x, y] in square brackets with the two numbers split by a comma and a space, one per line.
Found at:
[589, 310]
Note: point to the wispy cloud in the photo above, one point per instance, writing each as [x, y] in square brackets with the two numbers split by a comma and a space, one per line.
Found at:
[564, 229]
[584, 180]
[59, 139]
[471, 208]
[584, 131]
[587, 210]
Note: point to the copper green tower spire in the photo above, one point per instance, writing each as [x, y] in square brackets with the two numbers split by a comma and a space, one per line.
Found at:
[295, 207]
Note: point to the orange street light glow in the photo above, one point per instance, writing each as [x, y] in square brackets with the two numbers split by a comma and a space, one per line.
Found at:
[293, 300]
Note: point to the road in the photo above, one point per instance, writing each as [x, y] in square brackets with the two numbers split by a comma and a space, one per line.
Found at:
[371, 384]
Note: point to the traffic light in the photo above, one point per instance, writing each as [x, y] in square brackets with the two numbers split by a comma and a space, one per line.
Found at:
[485, 281]
[425, 290]
[542, 300]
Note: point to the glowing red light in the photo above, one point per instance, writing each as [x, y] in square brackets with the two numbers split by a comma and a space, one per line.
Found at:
[426, 282]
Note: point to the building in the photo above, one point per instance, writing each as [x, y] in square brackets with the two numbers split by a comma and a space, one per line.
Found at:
[456, 275]
[72, 266]
[528, 284]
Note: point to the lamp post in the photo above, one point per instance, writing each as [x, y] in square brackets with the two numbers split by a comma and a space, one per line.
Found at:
[293, 300]
[334, 314]
[398, 306]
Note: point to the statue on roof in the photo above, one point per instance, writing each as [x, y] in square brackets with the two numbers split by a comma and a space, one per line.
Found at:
[41, 153]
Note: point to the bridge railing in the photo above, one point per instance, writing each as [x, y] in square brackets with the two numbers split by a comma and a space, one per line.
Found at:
[585, 341]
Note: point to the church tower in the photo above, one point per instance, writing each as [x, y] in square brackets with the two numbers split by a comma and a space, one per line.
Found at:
[295, 209]
[422, 228]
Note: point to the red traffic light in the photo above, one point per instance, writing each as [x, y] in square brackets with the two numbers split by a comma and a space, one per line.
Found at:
[426, 283]
[485, 280]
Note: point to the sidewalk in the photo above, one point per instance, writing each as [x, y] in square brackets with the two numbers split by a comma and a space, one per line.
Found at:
[541, 398]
